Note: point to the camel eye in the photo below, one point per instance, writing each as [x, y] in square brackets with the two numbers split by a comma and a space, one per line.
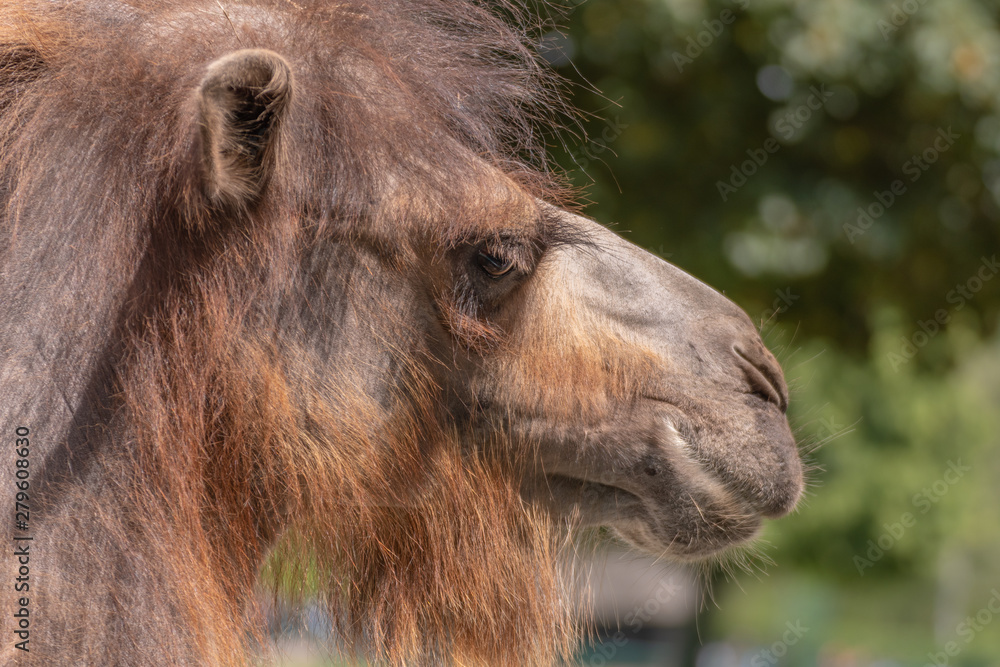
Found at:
[494, 266]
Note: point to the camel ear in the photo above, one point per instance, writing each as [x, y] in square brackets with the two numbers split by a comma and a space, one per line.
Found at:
[242, 101]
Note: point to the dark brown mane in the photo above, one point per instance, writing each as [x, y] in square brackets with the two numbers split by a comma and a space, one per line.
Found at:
[164, 420]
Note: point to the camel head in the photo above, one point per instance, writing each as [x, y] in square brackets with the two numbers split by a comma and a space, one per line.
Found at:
[621, 391]
[637, 397]
[645, 399]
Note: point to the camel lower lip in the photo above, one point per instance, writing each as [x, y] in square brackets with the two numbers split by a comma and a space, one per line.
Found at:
[691, 534]
[600, 503]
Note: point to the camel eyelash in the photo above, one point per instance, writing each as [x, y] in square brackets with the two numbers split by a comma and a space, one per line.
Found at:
[495, 264]
[504, 256]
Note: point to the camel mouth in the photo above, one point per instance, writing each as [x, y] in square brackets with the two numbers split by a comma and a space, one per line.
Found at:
[679, 489]
[768, 481]
[755, 457]
[670, 518]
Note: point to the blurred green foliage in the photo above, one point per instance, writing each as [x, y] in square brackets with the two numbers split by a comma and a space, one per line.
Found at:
[834, 167]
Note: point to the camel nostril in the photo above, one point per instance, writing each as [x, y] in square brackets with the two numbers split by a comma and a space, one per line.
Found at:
[764, 376]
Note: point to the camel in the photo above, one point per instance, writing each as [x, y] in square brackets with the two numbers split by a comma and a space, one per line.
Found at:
[292, 286]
